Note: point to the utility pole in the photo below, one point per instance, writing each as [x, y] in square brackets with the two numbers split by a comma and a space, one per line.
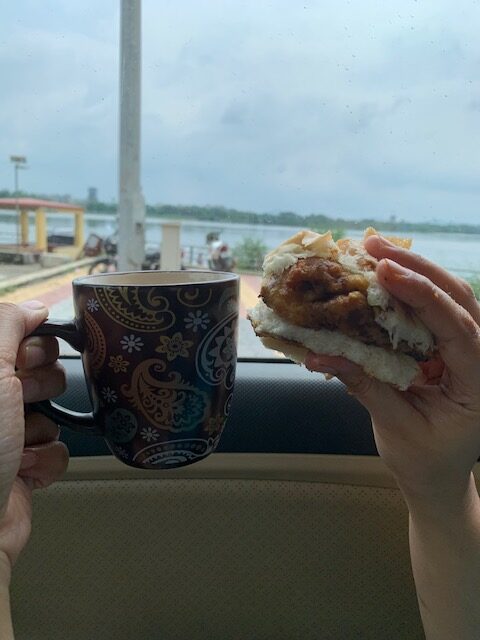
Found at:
[131, 205]
[19, 162]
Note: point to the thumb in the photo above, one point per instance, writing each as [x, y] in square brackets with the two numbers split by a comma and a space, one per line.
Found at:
[379, 398]
[17, 322]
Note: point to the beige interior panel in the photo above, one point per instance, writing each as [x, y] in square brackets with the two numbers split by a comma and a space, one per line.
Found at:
[364, 470]
[241, 546]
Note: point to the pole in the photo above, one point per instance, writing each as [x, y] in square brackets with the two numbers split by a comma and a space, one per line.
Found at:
[19, 162]
[15, 166]
[131, 205]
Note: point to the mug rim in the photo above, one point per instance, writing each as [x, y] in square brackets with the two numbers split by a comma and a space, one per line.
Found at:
[115, 279]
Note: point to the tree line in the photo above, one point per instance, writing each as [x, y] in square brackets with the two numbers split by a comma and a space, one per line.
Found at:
[317, 221]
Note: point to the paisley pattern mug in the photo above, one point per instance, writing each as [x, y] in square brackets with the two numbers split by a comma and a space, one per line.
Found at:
[159, 356]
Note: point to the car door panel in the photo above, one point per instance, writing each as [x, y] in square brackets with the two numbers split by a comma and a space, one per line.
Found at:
[294, 529]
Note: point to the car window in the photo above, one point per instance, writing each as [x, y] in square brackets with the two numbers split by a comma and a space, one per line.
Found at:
[258, 119]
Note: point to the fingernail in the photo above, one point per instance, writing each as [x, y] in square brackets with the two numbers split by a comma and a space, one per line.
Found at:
[385, 241]
[35, 305]
[29, 459]
[396, 271]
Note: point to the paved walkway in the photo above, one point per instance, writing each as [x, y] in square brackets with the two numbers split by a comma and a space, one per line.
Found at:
[56, 294]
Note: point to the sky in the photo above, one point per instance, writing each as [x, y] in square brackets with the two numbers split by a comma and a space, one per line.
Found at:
[351, 108]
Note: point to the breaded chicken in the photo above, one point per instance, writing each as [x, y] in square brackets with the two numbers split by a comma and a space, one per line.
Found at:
[318, 293]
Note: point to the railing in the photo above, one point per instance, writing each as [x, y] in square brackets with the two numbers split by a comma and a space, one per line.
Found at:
[195, 256]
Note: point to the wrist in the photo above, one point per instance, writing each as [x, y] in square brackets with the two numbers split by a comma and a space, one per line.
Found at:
[445, 507]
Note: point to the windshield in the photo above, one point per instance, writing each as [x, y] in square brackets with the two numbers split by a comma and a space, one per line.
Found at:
[257, 120]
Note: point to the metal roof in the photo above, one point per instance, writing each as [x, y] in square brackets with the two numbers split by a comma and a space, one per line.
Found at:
[31, 204]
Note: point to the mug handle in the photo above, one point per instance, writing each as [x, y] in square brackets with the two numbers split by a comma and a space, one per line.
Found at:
[75, 420]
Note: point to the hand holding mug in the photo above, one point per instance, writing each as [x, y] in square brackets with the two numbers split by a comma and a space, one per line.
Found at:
[30, 454]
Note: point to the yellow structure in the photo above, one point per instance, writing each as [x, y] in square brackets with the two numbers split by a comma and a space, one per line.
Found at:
[40, 208]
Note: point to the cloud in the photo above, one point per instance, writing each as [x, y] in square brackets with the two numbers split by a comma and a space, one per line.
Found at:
[324, 105]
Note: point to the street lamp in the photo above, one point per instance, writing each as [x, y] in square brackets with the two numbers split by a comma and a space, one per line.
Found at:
[19, 162]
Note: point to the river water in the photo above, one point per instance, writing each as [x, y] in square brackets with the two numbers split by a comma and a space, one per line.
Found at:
[459, 253]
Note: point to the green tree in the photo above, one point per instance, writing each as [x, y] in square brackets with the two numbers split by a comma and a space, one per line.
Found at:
[249, 254]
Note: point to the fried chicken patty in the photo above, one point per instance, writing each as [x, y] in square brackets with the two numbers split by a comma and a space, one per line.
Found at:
[318, 293]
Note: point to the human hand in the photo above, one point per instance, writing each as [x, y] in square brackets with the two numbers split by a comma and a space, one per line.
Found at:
[30, 454]
[429, 436]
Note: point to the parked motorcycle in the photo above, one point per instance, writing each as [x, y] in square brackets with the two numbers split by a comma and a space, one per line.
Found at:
[109, 261]
[220, 257]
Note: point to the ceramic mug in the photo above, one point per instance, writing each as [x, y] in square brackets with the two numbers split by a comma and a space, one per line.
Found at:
[159, 357]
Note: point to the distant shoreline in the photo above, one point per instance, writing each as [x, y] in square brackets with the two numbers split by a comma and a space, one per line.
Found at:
[312, 221]
[307, 222]
[317, 221]
[214, 214]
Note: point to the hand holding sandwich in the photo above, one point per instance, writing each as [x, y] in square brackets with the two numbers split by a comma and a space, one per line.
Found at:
[429, 436]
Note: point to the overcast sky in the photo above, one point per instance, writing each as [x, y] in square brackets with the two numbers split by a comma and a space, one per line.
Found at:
[351, 108]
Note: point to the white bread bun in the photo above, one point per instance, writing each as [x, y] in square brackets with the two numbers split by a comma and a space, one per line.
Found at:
[294, 342]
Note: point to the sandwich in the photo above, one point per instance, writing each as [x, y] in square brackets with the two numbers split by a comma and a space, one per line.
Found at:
[323, 296]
